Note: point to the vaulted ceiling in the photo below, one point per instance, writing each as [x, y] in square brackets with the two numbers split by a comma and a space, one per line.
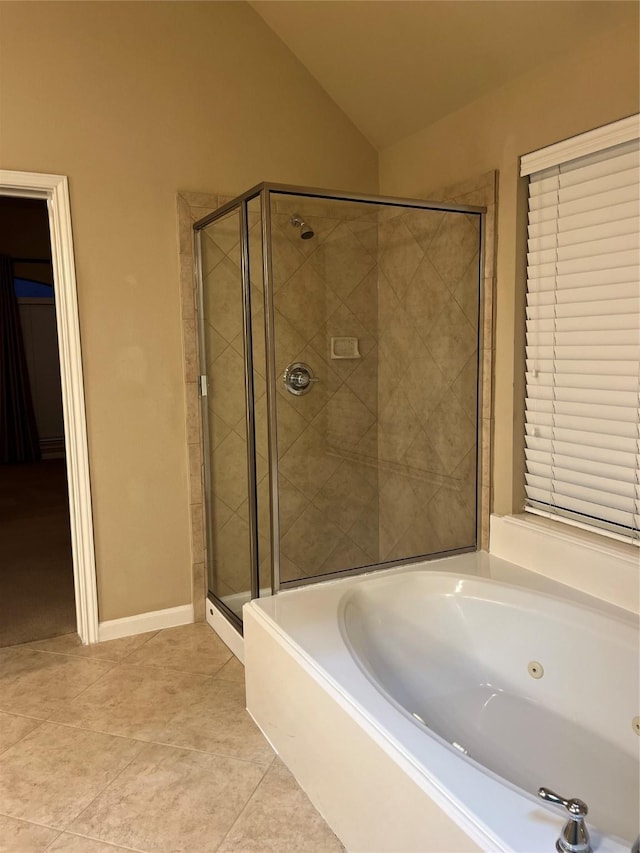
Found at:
[395, 66]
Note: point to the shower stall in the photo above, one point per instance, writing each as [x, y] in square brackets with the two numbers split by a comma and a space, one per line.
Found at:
[339, 343]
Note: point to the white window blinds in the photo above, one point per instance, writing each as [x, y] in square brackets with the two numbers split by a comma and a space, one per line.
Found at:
[582, 440]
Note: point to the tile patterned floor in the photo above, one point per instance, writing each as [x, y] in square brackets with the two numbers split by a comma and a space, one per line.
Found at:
[141, 744]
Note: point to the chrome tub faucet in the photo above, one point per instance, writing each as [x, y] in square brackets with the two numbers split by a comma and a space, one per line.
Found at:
[574, 837]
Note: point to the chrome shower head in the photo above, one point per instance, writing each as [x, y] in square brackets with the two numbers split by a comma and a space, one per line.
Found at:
[306, 232]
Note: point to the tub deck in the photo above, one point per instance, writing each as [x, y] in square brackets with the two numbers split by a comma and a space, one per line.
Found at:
[370, 769]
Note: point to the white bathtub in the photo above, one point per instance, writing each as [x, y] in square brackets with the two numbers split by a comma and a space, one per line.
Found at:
[439, 733]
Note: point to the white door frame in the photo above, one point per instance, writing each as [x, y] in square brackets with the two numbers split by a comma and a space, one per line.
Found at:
[54, 189]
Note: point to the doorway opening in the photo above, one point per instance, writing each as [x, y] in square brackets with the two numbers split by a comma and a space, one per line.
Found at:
[46, 523]
[35, 535]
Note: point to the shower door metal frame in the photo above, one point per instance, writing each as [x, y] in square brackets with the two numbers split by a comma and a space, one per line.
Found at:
[252, 498]
[264, 191]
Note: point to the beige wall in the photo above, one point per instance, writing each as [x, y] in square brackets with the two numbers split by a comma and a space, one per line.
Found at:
[134, 101]
[594, 86]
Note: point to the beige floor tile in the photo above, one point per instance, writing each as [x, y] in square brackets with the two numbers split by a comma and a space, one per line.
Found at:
[280, 818]
[68, 843]
[218, 722]
[112, 650]
[53, 773]
[36, 684]
[13, 729]
[18, 836]
[233, 670]
[189, 648]
[171, 799]
[134, 701]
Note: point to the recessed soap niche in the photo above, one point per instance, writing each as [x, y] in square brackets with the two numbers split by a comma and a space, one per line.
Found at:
[345, 348]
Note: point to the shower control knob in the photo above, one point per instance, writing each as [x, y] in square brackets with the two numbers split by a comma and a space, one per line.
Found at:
[298, 378]
[574, 837]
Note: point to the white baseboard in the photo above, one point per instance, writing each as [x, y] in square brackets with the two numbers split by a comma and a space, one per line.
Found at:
[225, 630]
[154, 620]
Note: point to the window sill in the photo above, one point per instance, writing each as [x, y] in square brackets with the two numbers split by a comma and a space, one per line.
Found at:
[594, 564]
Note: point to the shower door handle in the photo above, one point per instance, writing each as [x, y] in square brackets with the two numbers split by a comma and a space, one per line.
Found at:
[298, 378]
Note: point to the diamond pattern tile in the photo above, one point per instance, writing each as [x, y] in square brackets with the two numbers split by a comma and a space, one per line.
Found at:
[381, 439]
[397, 427]
[229, 471]
[291, 504]
[226, 387]
[343, 323]
[215, 345]
[427, 302]
[341, 262]
[344, 420]
[307, 464]
[363, 302]
[346, 555]
[212, 254]
[423, 225]
[452, 249]
[225, 233]
[349, 495]
[425, 298]
[363, 381]
[466, 292]
[222, 298]
[311, 540]
[400, 255]
[452, 340]
[310, 405]
[366, 234]
[322, 228]
[306, 300]
[232, 554]
[451, 433]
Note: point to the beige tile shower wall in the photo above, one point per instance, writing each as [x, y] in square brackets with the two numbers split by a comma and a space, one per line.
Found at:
[428, 320]
[482, 190]
[227, 560]
[328, 441]
[328, 485]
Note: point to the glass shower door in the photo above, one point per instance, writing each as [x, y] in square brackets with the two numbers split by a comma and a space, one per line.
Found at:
[375, 316]
[228, 444]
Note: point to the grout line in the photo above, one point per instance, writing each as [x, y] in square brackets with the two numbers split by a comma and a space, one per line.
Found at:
[25, 735]
[74, 656]
[109, 784]
[93, 838]
[264, 764]
[146, 741]
[93, 683]
[20, 714]
[155, 666]
[78, 656]
[36, 823]
[245, 807]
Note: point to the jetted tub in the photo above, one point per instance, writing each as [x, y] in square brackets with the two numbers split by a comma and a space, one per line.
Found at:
[479, 691]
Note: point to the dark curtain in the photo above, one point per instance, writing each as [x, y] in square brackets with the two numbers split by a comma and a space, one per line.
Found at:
[18, 431]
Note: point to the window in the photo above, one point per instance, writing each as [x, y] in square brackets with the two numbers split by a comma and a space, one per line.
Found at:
[582, 421]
